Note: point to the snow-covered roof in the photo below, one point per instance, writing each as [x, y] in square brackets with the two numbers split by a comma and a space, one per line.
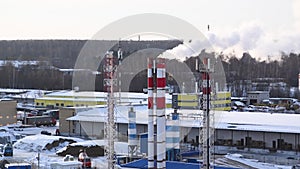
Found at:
[72, 99]
[249, 121]
[73, 93]
[120, 147]
[23, 93]
[39, 142]
[126, 97]
[100, 115]
[15, 91]
[19, 63]
[238, 103]
[30, 94]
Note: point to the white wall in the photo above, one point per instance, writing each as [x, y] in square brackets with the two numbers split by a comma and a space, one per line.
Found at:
[97, 130]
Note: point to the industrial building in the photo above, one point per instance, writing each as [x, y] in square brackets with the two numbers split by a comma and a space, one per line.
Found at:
[268, 132]
[72, 98]
[256, 97]
[8, 112]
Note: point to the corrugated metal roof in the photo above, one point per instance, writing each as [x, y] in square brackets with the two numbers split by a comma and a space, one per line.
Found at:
[143, 164]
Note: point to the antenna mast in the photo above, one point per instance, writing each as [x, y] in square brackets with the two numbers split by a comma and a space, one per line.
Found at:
[208, 117]
[110, 128]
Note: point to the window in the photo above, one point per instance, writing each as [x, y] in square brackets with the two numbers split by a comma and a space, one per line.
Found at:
[57, 104]
[37, 104]
[62, 105]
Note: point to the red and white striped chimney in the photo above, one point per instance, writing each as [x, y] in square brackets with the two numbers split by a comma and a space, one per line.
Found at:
[150, 115]
[156, 108]
[160, 113]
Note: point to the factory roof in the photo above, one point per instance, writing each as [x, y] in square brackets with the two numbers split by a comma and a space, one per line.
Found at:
[143, 164]
[91, 94]
[249, 121]
[71, 95]
[258, 92]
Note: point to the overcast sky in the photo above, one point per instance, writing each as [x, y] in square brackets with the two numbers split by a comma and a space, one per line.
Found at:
[261, 27]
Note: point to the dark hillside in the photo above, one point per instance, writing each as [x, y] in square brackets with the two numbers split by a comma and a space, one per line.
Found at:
[63, 53]
[54, 55]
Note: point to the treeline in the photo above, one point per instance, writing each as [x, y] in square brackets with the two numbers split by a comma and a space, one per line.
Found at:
[245, 73]
[60, 53]
[248, 68]
[33, 77]
[63, 53]
[54, 55]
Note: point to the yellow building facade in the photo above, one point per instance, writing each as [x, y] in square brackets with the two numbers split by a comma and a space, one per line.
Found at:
[87, 99]
[219, 101]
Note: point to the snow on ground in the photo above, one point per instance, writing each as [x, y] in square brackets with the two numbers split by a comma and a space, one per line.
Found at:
[255, 163]
[23, 130]
[120, 147]
[38, 142]
[28, 148]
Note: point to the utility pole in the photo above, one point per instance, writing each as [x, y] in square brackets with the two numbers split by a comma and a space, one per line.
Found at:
[38, 159]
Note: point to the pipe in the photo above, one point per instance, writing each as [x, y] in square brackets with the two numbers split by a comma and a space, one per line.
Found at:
[132, 137]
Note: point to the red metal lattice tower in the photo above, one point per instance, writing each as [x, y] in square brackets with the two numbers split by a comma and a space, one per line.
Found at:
[110, 127]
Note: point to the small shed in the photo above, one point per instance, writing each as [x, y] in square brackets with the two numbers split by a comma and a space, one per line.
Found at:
[256, 97]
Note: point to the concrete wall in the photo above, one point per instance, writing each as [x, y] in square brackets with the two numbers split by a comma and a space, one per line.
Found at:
[8, 112]
[255, 139]
[223, 134]
[90, 129]
[66, 127]
[270, 137]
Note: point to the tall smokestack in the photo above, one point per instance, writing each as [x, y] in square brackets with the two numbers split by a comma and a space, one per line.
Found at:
[161, 115]
[150, 116]
[132, 138]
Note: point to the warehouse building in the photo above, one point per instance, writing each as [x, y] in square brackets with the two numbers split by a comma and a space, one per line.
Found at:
[72, 98]
[234, 130]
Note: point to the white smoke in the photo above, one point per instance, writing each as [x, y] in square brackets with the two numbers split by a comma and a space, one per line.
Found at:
[253, 38]
[187, 49]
